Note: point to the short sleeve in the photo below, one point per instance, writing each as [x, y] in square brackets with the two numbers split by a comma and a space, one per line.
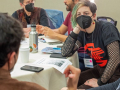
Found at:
[67, 19]
[110, 34]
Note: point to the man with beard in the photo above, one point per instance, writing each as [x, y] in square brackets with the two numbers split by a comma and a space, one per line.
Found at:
[66, 26]
[30, 15]
[11, 33]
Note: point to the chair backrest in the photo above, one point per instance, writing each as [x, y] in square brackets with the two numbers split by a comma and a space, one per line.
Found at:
[51, 24]
[56, 17]
[109, 19]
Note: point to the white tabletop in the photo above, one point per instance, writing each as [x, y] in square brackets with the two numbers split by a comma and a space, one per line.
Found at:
[49, 78]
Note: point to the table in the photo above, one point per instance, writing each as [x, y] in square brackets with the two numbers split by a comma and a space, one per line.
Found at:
[49, 78]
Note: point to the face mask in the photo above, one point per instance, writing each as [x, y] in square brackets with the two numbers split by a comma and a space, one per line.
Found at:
[29, 7]
[84, 21]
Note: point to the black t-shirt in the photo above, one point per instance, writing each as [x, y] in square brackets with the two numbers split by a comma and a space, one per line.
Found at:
[96, 43]
[44, 20]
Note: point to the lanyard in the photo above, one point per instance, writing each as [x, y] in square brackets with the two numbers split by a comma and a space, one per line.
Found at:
[85, 41]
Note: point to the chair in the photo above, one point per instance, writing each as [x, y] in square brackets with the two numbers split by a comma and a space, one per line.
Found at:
[109, 19]
[51, 24]
[56, 17]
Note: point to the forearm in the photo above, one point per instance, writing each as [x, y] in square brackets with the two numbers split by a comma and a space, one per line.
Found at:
[56, 30]
[113, 63]
[71, 45]
[111, 86]
[60, 37]
[60, 30]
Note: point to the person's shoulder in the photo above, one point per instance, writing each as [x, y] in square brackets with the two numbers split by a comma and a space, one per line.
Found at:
[107, 29]
[40, 8]
[42, 12]
[15, 12]
[20, 10]
[70, 13]
[15, 15]
[29, 85]
[104, 24]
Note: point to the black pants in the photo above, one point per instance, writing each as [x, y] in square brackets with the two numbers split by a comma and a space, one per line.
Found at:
[95, 72]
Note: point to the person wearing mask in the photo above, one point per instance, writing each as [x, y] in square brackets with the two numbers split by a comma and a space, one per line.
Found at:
[101, 41]
[30, 15]
[59, 33]
[11, 33]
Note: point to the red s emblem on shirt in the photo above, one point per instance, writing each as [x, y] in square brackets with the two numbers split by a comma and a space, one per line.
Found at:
[96, 54]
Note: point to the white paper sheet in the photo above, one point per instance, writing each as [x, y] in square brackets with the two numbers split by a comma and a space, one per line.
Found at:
[59, 64]
[48, 40]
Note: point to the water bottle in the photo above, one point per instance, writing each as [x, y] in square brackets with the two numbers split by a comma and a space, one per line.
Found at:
[33, 39]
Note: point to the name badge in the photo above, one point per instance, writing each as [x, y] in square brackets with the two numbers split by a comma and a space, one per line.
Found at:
[88, 63]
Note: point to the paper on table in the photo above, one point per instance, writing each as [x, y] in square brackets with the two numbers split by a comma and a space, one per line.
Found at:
[47, 39]
[59, 64]
[51, 50]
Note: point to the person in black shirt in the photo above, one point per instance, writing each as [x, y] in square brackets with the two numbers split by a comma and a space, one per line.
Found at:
[101, 40]
[30, 15]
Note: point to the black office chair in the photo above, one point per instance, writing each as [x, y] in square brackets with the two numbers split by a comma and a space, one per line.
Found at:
[109, 19]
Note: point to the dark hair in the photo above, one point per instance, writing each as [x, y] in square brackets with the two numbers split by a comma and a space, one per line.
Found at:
[91, 5]
[11, 33]
[21, 1]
